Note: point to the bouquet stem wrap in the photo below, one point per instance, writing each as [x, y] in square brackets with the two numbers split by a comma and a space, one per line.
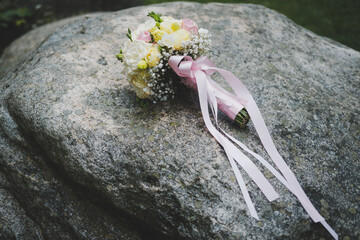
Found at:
[198, 72]
[230, 104]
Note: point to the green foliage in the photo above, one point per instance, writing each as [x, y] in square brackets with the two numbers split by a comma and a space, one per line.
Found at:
[129, 34]
[119, 56]
[152, 38]
[15, 17]
[20, 16]
[156, 17]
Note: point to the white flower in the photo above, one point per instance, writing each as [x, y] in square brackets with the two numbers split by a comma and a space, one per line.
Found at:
[146, 26]
[135, 51]
[175, 39]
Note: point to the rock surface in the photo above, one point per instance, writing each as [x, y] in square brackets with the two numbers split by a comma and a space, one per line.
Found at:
[20, 49]
[80, 158]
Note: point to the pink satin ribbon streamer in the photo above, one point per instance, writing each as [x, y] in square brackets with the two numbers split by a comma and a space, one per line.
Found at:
[197, 73]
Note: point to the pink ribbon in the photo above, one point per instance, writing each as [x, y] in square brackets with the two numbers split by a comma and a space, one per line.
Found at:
[196, 74]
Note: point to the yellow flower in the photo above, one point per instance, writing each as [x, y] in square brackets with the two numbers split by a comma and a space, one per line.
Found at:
[169, 27]
[166, 27]
[139, 81]
[175, 26]
[142, 64]
[153, 56]
[156, 33]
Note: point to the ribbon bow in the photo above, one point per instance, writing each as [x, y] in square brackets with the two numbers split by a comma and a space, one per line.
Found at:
[197, 73]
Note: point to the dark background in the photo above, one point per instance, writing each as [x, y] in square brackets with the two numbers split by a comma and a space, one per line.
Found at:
[336, 19]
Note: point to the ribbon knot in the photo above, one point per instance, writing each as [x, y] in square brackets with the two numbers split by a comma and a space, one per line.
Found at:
[185, 66]
[196, 74]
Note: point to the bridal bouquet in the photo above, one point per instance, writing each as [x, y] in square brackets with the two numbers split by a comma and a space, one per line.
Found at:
[164, 52]
[149, 48]
[146, 58]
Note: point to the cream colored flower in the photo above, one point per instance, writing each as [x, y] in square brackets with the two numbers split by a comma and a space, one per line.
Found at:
[166, 27]
[169, 27]
[153, 56]
[139, 81]
[135, 51]
[157, 33]
[175, 39]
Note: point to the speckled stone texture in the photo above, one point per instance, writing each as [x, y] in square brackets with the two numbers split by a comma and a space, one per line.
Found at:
[20, 49]
[80, 158]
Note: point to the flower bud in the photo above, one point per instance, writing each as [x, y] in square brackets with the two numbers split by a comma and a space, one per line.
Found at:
[142, 64]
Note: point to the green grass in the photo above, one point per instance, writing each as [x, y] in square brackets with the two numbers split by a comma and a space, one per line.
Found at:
[335, 19]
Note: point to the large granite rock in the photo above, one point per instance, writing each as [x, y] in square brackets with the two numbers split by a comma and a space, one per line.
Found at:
[80, 158]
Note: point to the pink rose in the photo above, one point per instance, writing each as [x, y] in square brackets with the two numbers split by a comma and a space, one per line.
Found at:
[145, 36]
[189, 25]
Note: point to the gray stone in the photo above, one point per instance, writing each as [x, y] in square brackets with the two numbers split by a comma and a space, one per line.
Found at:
[38, 202]
[20, 49]
[81, 157]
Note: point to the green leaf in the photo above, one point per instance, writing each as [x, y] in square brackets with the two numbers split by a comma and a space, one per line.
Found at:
[129, 34]
[119, 56]
[152, 38]
[156, 17]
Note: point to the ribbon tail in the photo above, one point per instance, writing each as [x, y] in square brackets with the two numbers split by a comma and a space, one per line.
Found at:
[268, 144]
[279, 161]
[255, 174]
[213, 102]
[233, 152]
[278, 175]
[212, 99]
[243, 187]
[199, 73]
[202, 90]
[330, 230]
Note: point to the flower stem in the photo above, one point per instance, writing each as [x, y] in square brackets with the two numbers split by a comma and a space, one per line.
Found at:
[242, 118]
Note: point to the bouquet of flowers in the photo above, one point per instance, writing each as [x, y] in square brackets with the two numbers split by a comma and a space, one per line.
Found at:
[146, 58]
[164, 52]
[147, 53]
